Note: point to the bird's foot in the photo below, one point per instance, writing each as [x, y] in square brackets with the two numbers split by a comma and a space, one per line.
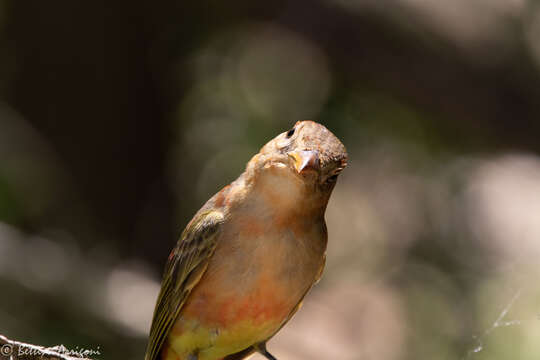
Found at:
[261, 348]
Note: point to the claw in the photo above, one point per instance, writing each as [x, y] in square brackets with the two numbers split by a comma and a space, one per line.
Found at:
[261, 348]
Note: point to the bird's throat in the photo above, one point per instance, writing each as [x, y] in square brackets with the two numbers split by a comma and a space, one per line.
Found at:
[280, 191]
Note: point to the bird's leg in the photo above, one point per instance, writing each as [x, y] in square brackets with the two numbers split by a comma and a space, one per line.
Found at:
[193, 356]
[267, 355]
[261, 348]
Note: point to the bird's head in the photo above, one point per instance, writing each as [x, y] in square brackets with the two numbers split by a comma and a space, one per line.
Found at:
[307, 155]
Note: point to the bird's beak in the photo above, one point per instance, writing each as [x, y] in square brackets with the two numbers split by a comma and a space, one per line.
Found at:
[305, 160]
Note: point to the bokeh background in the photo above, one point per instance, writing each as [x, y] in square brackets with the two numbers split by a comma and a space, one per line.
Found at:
[119, 119]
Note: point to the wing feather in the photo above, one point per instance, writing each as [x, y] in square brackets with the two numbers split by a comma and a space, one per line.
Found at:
[185, 267]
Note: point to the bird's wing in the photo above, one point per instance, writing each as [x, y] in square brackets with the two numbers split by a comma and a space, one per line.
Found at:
[185, 266]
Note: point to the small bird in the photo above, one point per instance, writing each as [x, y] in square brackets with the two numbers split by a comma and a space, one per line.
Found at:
[248, 257]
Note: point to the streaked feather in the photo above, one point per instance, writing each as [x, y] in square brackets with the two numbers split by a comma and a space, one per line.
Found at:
[183, 270]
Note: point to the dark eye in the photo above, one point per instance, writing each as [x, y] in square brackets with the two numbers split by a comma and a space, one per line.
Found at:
[332, 178]
[290, 133]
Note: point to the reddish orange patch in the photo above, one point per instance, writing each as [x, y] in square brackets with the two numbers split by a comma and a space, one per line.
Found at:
[251, 226]
[266, 303]
[221, 196]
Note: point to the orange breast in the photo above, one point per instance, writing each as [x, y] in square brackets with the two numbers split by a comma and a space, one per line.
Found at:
[211, 305]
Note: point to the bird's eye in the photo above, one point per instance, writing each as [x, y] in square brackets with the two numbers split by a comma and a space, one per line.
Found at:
[290, 133]
[332, 178]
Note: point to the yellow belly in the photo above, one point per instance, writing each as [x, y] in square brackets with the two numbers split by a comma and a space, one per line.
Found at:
[214, 344]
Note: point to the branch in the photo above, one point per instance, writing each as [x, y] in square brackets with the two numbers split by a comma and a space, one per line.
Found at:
[14, 350]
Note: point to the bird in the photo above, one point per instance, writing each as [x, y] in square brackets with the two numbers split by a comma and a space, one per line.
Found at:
[246, 260]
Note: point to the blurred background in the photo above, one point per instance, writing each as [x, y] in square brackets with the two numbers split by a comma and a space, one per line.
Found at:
[118, 120]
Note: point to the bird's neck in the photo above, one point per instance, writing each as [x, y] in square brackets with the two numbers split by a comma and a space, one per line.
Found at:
[278, 193]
